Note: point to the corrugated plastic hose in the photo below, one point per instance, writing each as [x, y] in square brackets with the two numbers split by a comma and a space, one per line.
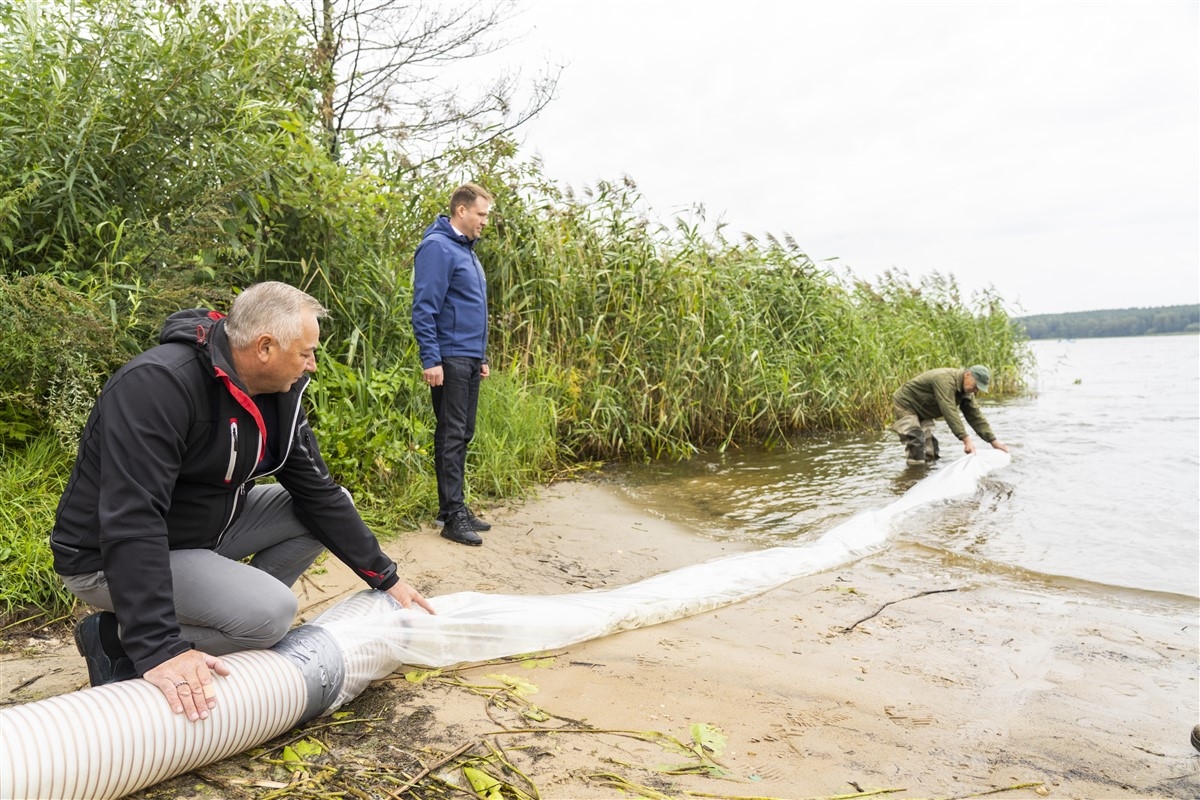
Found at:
[111, 740]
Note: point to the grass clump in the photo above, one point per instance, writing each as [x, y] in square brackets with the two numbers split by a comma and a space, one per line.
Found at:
[31, 480]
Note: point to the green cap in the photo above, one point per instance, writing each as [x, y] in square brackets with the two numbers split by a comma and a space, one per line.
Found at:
[982, 376]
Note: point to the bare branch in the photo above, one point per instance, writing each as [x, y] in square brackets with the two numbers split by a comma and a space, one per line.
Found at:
[383, 65]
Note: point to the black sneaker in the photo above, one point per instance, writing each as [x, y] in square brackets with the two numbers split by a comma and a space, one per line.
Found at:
[105, 664]
[458, 529]
[476, 523]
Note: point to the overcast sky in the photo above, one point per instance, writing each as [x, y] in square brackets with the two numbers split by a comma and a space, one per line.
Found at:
[1048, 149]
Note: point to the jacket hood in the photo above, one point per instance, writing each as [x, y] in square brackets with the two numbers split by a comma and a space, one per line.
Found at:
[192, 326]
[442, 227]
[204, 330]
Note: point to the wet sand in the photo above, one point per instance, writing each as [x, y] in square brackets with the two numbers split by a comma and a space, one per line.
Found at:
[982, 684]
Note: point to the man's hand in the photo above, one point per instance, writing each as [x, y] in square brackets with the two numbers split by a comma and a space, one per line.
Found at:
[435, 375]
[968, 445]
[484, 371]
[186, 681]
[406, 596]
[999, 445]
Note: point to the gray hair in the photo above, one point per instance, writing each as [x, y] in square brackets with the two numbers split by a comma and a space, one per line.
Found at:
[271, 307]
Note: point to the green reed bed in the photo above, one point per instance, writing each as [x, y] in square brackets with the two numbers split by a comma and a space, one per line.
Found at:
[656, 345]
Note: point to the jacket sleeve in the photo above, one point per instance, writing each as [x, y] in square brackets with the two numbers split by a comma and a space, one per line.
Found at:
[431, 280]
[976, 419]
[946, 392]
[328, 511]
[146, 415]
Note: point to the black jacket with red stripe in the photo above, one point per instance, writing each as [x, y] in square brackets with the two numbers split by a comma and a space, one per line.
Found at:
[172, 445]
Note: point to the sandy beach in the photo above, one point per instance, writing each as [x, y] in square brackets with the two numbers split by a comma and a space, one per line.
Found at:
[981, 685]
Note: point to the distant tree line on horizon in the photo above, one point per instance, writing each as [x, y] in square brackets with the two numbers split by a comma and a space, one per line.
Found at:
[1112, 322]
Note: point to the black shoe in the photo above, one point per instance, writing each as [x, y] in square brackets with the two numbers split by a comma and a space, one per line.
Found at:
[458, 529]
[476, 523]
[1196, 737]
[106, 663]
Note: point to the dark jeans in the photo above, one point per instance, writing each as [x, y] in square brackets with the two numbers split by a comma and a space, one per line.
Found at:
[454, 405]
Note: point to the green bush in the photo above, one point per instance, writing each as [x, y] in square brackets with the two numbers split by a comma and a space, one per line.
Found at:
[375, 442]
[147, 136]
[57, 348]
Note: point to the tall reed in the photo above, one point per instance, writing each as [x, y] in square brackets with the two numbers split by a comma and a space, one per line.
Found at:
[657, 342]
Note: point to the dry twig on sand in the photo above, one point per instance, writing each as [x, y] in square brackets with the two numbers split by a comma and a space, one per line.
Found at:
[892, 602]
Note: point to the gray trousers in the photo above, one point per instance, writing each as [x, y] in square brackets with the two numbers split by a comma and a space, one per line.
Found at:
[916, 434]
[224, 604]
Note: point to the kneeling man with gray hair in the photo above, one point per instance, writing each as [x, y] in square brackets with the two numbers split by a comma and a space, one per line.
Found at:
[162, 524]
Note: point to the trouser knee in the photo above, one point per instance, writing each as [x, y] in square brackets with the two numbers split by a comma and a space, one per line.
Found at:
[270, 622]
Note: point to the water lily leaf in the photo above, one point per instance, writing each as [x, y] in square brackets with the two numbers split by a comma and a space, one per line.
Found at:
[290, 759]
[308, 749]
[534, 713]
[538, 663]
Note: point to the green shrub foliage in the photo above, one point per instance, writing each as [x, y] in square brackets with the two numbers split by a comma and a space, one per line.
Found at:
[57, 349]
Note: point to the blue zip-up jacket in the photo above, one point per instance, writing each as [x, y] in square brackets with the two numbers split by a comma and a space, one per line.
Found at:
[168, 453]
[449, 309]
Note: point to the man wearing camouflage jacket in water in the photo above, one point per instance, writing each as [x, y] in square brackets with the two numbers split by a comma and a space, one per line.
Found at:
[942, 393]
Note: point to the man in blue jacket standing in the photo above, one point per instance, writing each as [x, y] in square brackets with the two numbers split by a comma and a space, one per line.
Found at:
[450, 319]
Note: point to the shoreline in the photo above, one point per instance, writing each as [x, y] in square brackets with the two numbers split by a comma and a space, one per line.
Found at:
[896, 671]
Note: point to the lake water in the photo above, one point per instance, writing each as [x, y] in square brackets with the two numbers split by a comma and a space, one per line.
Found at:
[1103, 489]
